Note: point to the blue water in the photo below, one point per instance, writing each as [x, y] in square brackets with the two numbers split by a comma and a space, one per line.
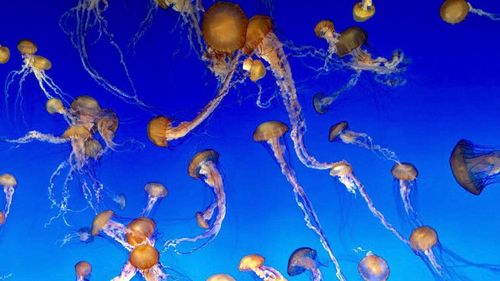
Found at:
[452, 89]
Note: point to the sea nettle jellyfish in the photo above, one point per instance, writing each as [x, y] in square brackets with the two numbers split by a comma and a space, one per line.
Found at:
[117, 231]
[272, 133]
[4, 54]
[9, 184]
[405, 184]
[204, 166]
[340, 133]
[221, 277]
[83, 270]
[156, 191]
[455, 11]
[373, 268]
[146, 260]
[304, 260]
[38, 65]
[363, 10]
[77, 23]
[140, 231]
[474, 167]
[255, 263]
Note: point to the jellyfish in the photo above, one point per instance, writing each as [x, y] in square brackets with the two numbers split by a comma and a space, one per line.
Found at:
[4, 54]
[373, 268]
[363, 10]
[83, 270]
[340, 132]
[115, 230]
[9, 184]
[88, 15]
[107, 124]
[272, 133]
[38, 65]
[204, 166]
[455, 11]
[220, 277]
[82, 235]
[405, 178]
[144, 259]
[304, 260]
[86, 110]
[255, 263]
[156, 191]
[2, 218]
[121, 200]
[474, 167]
[322, 103]
[140, 231]
[326, 30]
[255, 68]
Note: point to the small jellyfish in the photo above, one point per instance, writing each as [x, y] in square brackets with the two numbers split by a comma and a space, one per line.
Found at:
[326, 30]
[2, 218]
[221, 277]
[204, 166]
[340, 132]
[9, 184]
[82, 235]
[455, 11]
[86, 111]
[145, 259]
[405, 178]
[272, 133]
[78, 135]
[83, 270]
[363, 10]
[473, 166]
[422, 241]
[117, 231]
[121, 200]
[255, 263]
[304, 260]
[255, 69]
[140, 231]
[4, 54]
[373, 268]
[55, 105]
[37, 65]
[107, 124]
[156, 191]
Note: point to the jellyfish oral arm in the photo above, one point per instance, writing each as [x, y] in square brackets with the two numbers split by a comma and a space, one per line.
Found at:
[9, 193]
[117, 232]
[128, 272]
[151, 202]
[35, 135]
[209, 212]
[316, 274]
[482, 13]
[365, 141]
[269, 274]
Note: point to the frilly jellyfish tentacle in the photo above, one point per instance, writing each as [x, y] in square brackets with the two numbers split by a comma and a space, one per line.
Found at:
[365, 141]
[37, 136]
[149, 207]
[483, 13]
[117, 231]
[316, 274]
[128, 272]
[405, 191]
[144, 25]
[209, 212]
[9, 193]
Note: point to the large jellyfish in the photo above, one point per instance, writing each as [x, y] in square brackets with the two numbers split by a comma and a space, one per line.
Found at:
[38, 65]
[156, 191]
[9, 184]
[140, 231]
[221, 277]
[340, 132]
[455, 11]
[304, 260]
[363, 10]
[146, 260]
[474, 167]
[88, 16]
[405, 181]
[373, 268]
[83, 270]
[255, 263]
[272, 133]
[4, 54]
[204, 166]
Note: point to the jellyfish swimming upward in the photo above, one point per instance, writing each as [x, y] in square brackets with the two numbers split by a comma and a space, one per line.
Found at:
[204, 166]
[255, 263]
[272, 133]
[9, 184]
[455, 11]
[304, 260]
[474, 167]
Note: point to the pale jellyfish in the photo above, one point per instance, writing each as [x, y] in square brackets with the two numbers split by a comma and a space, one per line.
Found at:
[85, 111]
[272, 132]
[474, 167]
[146, 260]
[405, 178]
[83, 270]
[140, 231]
[115, 230]
[455, 11]
[82, 235]
[88, 15]
[107, 124]
[121, 200]
[204, 166]
[322, 103]
[4, 54]
[156, 191]
[304, 260]
[37, 65]
[255, 263]
[363, 10]
[340, 132]
[9, 184]
[221, 277]
[373, 268]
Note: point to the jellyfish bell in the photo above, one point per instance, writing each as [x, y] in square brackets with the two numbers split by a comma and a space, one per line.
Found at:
[301, 260]
[224, 26]
[2, 218]
[373, 268]
[55, 105]
[139, 231]
[93, 149]
[85, 235]
[362, 12]
[4, 54]
[341, 169]
[27, 47]
[41, 63]
[350, 39]
[77, 132]
[423, 238]
[155, 189]
[324, 29]
[336, 130]
[201, 221]
[319, 105]
[100, 221]
[259, 27]
[257, 70]
[220, 277]
[144, 257]
[251, 262]
[8, 180]
[454, 11]
[83, 269]
[86, 108]
[404, 171]
[157, 130]
[107, 124]
[199, 160]
[269, 130]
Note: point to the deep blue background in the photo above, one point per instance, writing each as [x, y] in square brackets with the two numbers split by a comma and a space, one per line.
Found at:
[452, 93]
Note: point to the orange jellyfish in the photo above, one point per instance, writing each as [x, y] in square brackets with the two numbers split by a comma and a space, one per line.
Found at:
[255, 68]
[2, 218]
[373, 268]
[145, 259]
[340, 132]
[115, 230]
[363, 10]
[272, 132]
[9, 184]
[86, 110]
[83, 270]
[140, 231]
[204, 166]
[474, 167]
[405, 178]
[4, 54]
[455, 11]
[304, 260]
[155, 191]
[107, 124]
[37, 65]
[88, 16]
[255, 263]
[220, 277]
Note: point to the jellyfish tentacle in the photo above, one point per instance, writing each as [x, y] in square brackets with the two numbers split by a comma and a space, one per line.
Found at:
[483, 13]
[144, 25]
[128, 272]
